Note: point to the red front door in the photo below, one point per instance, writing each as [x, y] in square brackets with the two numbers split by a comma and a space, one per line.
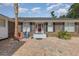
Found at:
[39, 28]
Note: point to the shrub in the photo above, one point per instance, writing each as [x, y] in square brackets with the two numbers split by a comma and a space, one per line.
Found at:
[64, 35]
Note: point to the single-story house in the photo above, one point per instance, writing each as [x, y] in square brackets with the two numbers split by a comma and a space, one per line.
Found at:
[38, 26]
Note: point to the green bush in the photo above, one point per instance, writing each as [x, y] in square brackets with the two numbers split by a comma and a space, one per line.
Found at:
[64, 35]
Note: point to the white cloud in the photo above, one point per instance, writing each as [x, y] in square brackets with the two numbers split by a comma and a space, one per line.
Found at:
[67, 6]
[23, 10]
[61, 12]
[51, 7]
[33, 10]
[36, 10]
[7, 4]
[60, 8]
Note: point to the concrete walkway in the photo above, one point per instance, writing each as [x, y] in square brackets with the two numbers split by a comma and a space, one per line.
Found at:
[50, 46]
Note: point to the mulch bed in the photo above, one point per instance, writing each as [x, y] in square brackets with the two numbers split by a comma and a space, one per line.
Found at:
[9, 46]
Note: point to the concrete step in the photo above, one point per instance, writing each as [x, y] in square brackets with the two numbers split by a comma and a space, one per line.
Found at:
[39, 35]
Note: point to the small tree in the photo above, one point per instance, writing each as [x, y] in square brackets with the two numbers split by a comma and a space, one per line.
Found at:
[53, 15]
[73, 11]
[16, 19]
[63, 16]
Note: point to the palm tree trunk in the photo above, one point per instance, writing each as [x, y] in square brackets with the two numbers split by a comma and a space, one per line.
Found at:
[16, 20]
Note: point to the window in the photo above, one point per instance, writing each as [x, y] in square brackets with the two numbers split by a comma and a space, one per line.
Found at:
[50, 27]
[2, 23]
[70, 27]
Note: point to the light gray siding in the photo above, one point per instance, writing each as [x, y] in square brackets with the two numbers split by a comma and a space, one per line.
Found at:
[4, 30]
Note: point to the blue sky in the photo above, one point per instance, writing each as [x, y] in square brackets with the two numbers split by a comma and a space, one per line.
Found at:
[35, 9]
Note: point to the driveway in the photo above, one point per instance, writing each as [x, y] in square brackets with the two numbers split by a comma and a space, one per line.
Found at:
[51, 46]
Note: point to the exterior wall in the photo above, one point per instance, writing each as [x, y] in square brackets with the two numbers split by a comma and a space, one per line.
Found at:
[11, 29]
[45, 27]
[58, 27]
[4, 30]
[26, 27]
[33, 27]
[20, 26]
[52, 34]
[55, 28]
[77, 27]
[69, 27]
[50, 27]
[74, 29]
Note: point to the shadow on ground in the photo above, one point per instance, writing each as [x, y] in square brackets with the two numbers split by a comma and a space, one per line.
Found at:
[8, 47]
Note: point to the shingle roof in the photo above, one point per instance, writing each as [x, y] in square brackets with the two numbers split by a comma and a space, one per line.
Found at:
[35, 18]
[3, 16]
[43, 18]
[39, 19]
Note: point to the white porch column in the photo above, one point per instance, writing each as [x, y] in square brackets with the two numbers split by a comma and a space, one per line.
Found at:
[36, 28]
[42, 27]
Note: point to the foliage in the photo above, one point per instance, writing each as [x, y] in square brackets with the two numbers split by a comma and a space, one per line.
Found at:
[53, 15]
[73, 11]
[63, 16]
[64, 35]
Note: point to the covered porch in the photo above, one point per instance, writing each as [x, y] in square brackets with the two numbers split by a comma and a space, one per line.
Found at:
[35, 29]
